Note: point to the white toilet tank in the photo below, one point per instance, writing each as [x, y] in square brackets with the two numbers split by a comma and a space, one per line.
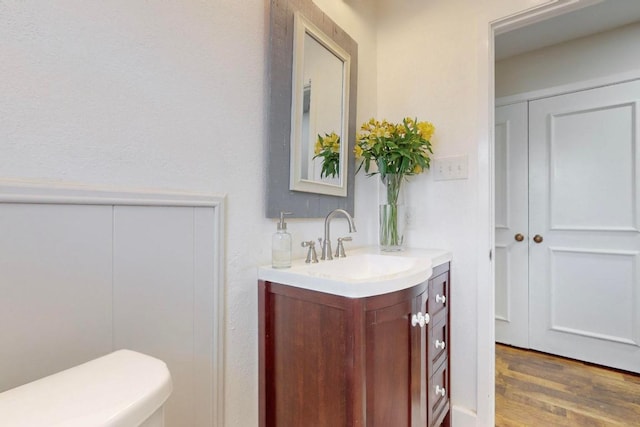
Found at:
[121, 389]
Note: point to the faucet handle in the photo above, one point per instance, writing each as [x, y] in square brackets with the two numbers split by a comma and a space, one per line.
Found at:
[312, 257]
[340, 248]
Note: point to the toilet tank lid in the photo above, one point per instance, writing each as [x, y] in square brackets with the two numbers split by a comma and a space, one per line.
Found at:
[120, 389]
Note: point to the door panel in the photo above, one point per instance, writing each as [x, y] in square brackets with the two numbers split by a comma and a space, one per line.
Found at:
[609, 277]
[584, 278]
[511, 255]
[582, 187]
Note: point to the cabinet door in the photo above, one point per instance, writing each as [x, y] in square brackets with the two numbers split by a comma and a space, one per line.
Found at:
[395, 380]
[423, 355]
[303, 353]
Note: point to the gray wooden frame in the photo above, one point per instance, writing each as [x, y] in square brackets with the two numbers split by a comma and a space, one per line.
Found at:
[279, 69]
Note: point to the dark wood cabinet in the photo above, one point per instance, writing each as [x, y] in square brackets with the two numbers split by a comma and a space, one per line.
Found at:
[327, 360]
[437, 353]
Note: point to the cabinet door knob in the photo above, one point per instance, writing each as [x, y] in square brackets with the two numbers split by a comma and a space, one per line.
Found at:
[440, 344]
[417, 319]
[538, 238]
[441, 391]
[420, 319]
[519, 237]
[441, 299]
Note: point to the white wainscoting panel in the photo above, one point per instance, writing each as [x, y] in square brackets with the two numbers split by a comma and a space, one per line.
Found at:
[55, 288]
[85, 272]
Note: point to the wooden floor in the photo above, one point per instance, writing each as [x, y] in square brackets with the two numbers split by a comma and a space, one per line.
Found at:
[537, 389]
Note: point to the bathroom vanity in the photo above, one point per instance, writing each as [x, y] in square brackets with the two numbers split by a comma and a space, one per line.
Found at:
[366, 360]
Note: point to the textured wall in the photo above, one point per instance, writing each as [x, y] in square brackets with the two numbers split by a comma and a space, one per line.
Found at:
[433, 63]
[170, 95]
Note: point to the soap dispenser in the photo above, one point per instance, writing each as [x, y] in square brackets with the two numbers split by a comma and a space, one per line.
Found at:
[281, 245]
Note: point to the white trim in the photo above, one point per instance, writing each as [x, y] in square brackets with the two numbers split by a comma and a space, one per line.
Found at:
[301, 27]
[485, 345]
[92, 200]
[219, 320]
[485, 391]
[536, 14]
[18, 192]
[36, 193]
[463, 417]
[612, 79]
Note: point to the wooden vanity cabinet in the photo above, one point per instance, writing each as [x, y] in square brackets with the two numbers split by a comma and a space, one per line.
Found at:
[327, 360]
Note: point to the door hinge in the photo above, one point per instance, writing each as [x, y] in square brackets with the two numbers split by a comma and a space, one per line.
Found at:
[490, 254]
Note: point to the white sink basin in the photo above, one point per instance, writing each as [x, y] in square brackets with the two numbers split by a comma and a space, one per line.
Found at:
[362, 273]
[362, 268]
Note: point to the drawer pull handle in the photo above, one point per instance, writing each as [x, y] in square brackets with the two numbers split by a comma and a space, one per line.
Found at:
[441, 299]
[420, 319]
[440, 344]
[441, 391]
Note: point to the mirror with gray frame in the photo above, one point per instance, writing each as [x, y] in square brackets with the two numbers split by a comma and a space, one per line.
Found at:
[312, 103]
[319, 117]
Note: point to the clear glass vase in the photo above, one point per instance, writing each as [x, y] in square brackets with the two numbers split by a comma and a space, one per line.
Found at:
[391, 214]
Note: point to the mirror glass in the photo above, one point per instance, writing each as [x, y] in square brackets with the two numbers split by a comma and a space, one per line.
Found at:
[319, 113]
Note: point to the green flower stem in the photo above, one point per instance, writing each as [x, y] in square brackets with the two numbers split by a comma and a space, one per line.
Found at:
[393, 182]
[389, 232]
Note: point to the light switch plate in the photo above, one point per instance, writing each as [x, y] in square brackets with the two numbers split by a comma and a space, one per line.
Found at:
[453, 167]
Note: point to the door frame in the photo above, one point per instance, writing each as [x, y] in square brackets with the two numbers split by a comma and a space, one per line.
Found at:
[578, 86]
[485, 391]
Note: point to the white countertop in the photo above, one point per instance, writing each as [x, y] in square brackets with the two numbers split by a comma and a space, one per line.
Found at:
[412, 265]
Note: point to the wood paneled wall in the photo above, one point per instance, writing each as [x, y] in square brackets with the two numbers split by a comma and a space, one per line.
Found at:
[83, 273]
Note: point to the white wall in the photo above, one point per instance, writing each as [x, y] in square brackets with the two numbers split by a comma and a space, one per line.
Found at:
[148, 94]
[586, 58]
[421, 76]
[171, 95]
[167, 95]
[434, 63]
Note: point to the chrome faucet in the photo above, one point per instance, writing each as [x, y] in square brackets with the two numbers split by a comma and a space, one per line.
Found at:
[326, 244]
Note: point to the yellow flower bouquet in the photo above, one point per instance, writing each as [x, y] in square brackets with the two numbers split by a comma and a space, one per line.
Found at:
[398, 150]
[328, 147]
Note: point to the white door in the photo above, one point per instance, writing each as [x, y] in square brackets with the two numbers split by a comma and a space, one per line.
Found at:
[511, 217]
[584, 213]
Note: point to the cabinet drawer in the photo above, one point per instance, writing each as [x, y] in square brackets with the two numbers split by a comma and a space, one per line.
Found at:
[439, 395]
[438, 296]
[439, 345]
